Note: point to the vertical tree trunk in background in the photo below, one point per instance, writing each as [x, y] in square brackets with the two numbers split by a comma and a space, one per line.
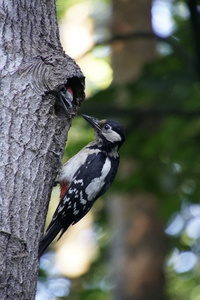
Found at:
[139, 248]
[33, 129]
[129, 56]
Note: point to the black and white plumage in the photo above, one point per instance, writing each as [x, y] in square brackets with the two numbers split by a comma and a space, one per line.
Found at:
[85, 177]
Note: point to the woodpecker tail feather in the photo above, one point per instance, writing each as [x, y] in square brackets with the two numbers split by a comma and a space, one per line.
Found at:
[49, 237]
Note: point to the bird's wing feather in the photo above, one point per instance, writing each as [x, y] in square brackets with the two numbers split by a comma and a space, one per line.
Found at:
[75, 194]
[80, 196]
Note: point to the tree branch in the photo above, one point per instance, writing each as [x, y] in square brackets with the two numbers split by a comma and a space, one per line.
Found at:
[145, 35]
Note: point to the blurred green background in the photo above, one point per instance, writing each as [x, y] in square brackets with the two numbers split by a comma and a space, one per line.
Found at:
[141, 240]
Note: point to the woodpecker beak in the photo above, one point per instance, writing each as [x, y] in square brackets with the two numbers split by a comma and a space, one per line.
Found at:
[94, 122]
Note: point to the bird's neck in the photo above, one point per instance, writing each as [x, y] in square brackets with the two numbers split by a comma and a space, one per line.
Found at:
[114, 152]
[108, 148]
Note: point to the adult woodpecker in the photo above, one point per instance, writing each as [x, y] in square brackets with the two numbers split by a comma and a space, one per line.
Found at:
[85, 177]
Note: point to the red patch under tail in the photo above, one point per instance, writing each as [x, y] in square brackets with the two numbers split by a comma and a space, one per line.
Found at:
[63, 188]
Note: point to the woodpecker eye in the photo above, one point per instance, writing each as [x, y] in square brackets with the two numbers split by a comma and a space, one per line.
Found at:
[106, 126]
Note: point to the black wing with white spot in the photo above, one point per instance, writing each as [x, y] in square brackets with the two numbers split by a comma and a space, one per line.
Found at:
[84, 189]
[76, 197]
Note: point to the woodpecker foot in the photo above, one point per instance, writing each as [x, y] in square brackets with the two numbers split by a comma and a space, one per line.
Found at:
[55, 153]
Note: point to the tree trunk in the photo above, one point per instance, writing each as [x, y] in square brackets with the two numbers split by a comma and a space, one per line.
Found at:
[33, 131]
[139, 248]
[128, 56]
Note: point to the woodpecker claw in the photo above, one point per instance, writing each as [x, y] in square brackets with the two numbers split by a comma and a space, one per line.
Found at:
[54, 152]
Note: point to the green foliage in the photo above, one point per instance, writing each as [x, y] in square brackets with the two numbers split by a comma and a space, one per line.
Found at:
[63, 5]
[161, 114]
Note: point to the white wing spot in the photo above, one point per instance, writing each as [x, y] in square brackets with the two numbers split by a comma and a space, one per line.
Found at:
[79, 181]
[82, 200]
[60, 208]
[95, 186]
[66, 199]
[70, 191]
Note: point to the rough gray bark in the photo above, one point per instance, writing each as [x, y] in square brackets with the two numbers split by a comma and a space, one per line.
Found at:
[33, 67]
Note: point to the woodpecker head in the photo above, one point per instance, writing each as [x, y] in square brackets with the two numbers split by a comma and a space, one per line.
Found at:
[109, 133]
